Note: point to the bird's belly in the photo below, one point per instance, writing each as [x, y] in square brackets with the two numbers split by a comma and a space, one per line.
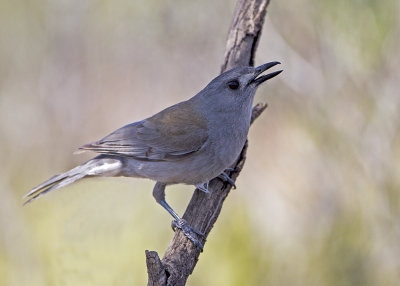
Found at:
[195, 169]
[190, 171]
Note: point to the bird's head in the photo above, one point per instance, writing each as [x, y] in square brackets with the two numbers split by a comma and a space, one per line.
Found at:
[237, 86]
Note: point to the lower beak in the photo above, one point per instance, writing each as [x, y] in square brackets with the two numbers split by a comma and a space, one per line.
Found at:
[260, 69]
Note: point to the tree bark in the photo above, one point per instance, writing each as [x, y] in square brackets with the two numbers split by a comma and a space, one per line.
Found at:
[203, 210]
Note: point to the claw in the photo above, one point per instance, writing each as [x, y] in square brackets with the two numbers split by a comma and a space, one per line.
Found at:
[203, 187]
[188, 231]
[225, 178]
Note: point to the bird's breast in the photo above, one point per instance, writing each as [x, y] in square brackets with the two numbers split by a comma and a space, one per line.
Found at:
[228, 141]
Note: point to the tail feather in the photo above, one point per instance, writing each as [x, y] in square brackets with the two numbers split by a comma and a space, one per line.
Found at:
[94, 167]
[53, 180]
[50, 187]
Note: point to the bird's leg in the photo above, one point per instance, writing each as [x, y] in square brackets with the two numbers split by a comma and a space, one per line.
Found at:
[203, 187]
[188, 231]
[225, 177]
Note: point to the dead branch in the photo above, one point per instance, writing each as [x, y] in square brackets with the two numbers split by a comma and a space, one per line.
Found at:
[203, 210]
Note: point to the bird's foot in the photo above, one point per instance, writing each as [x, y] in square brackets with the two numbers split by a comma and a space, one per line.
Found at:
[188, 231]
[225, 178]
[203, 187]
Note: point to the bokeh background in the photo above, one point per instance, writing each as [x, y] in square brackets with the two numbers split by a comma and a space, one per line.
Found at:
[318, 201]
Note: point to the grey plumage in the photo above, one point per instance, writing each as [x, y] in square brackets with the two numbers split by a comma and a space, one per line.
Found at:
[100, 165]
[190, 142]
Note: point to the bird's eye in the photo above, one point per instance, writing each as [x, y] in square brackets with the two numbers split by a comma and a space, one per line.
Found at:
[233, 84]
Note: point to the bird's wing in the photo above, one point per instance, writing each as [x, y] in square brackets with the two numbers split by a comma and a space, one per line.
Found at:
[172, 134]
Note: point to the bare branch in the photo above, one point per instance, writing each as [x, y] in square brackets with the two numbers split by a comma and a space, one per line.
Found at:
[155, 269]
[244, 33]
[203, 210]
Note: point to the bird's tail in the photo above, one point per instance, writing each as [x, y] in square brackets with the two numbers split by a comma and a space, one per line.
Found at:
[99, 166]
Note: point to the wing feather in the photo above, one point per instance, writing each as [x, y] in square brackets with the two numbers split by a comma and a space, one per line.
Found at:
[172, 134]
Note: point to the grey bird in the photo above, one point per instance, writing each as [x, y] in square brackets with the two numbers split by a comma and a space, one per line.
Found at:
[190, 142]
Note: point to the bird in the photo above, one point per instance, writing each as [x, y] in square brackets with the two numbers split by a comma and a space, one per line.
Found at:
[189, 143]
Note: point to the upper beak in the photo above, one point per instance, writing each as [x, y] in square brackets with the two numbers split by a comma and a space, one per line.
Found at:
[260, 69]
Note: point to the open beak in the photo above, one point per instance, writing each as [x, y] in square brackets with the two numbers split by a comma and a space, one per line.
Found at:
[260, 69]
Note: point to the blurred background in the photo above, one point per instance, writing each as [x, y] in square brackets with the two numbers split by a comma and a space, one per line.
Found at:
[318, 201]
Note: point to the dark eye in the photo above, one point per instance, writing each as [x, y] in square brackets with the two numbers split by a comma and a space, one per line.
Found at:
[233, 84]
